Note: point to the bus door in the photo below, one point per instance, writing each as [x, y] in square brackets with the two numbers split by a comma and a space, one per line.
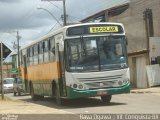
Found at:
[59, 44]
[25, 72]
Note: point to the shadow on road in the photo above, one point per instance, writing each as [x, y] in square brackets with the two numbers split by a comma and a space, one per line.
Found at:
[70, 104]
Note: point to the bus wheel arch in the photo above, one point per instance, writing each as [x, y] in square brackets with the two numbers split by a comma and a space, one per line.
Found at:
[53, 88]
[56, 92]
[33, 95]
[30, 83]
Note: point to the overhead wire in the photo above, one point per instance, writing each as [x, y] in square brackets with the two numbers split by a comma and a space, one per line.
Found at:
[74, 17]
[53, 27]
[25, 16]
[28, 15]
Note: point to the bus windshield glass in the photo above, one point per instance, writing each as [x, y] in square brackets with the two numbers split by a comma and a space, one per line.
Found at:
[95, 53]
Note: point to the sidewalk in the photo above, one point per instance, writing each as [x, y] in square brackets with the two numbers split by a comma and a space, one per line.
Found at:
[147, 90]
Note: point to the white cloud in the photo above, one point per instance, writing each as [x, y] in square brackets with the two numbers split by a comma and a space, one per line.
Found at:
[32, 23]
[9, 1]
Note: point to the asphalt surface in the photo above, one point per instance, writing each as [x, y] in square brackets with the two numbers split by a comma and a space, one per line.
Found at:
[126, 103]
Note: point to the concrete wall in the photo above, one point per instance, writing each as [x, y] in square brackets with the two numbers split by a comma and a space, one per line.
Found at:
[135, 25]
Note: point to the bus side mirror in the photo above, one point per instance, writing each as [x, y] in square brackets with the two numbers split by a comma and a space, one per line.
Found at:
[158, 60]
[126, 40]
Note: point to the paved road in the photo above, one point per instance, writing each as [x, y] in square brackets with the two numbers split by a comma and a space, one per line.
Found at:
[126, 103]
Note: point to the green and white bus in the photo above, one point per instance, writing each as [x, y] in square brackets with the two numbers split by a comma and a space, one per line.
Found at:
[82, 60]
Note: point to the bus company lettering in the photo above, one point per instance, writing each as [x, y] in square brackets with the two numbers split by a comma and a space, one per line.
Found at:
[103, 29]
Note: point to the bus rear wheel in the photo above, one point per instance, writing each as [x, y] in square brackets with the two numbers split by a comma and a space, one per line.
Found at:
[106, 99]
[14, 93]
[33, 96]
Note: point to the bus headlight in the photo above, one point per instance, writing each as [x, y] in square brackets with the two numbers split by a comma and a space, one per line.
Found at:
[77, 86]
[74, 85]
[125, 81]
[120, 83]
[80, 86]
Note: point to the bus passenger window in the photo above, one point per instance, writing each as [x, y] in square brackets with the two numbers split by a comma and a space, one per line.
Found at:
[52, 49]
[35, 54]
[40, 52]
[31, 56]
[28, 62]
[46, 54]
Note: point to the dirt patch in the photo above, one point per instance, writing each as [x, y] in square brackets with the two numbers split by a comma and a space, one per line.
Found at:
[20, 107]
[5, 99]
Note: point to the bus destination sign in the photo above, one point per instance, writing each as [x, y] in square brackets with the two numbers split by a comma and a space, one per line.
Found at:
[104, 29]
[94, 29]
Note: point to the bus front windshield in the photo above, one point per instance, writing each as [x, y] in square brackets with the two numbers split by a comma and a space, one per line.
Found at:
[95, 53]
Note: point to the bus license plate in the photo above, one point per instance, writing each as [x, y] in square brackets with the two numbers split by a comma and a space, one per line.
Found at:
[101, 92]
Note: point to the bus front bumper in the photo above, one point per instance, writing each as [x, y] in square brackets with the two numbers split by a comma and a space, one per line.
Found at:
[73, 93]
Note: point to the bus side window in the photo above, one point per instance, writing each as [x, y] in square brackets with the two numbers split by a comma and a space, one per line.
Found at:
[52, 49]
[40, 56]
[31, 56]
[23, 53]
[28, 62]
[46, 54]
[35, 54]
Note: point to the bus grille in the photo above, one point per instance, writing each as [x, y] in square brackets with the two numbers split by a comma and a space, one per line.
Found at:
[98, 82]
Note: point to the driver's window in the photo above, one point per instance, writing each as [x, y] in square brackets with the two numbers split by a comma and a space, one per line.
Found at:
[74, 50]
[91, 46]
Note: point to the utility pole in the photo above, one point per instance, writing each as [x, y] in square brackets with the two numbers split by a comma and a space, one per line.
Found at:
[148, 19]
[2, 91]
[18, 37]
[64, 11]
[51, 15]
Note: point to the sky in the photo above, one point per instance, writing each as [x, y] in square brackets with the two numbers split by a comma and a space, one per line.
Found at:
[32, 23]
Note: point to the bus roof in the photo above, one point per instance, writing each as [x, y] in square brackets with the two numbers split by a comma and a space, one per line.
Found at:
[63, 29]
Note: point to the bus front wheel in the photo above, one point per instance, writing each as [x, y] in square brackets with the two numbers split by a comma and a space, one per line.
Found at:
[106, 99]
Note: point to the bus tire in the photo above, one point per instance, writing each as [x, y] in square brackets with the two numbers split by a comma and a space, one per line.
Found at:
[106, 99]
[19, 93]
[14, 93]
[33, 96]
[57, 96]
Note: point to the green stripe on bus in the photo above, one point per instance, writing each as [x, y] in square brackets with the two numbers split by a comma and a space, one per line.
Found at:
[72, 93]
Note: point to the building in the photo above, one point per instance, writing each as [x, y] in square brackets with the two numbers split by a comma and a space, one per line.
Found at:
[7, 67]
[14, 70]
[142, 21]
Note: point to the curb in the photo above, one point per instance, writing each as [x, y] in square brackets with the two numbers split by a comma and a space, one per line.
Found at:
[145, 91]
